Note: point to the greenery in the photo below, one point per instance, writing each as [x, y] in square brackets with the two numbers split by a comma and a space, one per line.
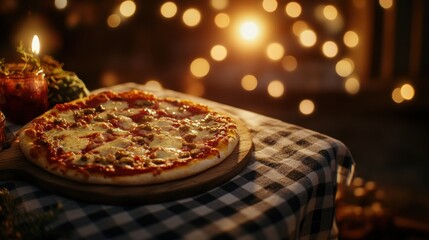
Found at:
[31, 61]
[16, 223]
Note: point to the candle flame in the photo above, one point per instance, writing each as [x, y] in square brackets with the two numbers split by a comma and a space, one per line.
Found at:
[35, 45]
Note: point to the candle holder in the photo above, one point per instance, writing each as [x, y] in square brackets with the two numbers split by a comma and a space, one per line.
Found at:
[23, 93]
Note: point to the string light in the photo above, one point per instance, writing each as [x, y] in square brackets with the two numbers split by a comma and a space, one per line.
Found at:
[298, 27]
[153, 85]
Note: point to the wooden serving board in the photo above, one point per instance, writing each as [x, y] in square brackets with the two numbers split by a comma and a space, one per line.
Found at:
[13, 166]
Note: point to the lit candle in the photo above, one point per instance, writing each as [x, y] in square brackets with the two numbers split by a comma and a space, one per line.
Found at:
[35, 45]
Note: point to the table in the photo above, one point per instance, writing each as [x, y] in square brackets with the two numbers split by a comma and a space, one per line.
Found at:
[287, 191]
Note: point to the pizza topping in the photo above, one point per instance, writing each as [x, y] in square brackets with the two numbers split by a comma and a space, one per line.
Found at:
[126, 134]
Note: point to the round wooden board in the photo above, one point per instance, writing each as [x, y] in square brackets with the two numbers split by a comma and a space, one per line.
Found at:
[13, 165]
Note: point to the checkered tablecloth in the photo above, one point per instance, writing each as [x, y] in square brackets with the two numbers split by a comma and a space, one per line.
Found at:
[286, 192]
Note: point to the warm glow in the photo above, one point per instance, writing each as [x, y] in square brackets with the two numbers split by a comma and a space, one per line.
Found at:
[222, 20]
[352, 85]
[60, 4]
[276, 88]
[153, 85]
[330, 12]
[249, 30]
[386, 4]
[289, 63]
[113, 20]
[308, 38]
[407, 91]
[127, 8]
[269, 5]
[249, 82]
[306, 107]
[293, 9]
[344, 67]
[35, 45]
[298, 27]
[191, 17]
[200, 67]
[330, 49]
[351, 39]
[218, 52]
[275, 51]
[396, 95]
[195, 88]
[168, 9]
[219, 4]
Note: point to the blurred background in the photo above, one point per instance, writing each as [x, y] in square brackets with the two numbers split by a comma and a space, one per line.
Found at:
[355, 70]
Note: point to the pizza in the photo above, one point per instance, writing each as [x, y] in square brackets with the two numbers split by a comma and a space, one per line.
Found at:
[128, 138]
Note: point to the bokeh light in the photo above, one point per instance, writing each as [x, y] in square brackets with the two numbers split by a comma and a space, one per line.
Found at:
[60, 4]
[308, 38]
[191, 17]
[249, 82]
[275, 51]
[306, 107]
[330, 12]
[153, 85]
[200, 67]
[218, 52]
[219, 4]
[298, 27]
[351, 39]
[114, 20]
[222, 20]
[168, 9]
[276, 88]
[397, 96]
[249, 30]
[293, 9]
[330, 49]
[127, 8]
[269, 5]
[386, 4]
[352, 85]
[289, 63]
[344, 67]
[407, 91]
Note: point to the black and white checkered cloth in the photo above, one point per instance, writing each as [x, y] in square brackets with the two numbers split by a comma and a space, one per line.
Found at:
[287, 191]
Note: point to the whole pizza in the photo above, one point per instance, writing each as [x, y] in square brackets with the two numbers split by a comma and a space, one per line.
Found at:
[128, 138]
